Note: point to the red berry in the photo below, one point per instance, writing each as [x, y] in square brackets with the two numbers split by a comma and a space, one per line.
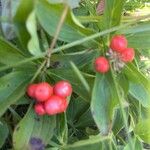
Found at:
[31, 90]
[118, 43]
[127, 55]
[101, 64]
[64, 106]
[55, 105]
[62, 89]
[39, 109]
[43, 91]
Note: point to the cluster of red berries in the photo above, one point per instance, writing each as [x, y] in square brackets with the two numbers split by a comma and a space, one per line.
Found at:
[50, 99]
[118, 45]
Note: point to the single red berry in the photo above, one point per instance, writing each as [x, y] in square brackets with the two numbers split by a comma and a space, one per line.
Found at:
[118, 43]
[63, 89]
[39, 109]
[43, 91]
[101, 64]
[127, 55]
[55, 105]
[31, 90]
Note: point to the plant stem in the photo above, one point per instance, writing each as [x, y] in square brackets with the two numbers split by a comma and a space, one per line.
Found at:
[21, 62]
[49, 51]
[91, 37]
[122, 111]
[58, 29]
[75, 43]
[38, 71]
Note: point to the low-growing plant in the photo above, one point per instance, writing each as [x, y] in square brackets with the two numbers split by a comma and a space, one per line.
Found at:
[72, 78]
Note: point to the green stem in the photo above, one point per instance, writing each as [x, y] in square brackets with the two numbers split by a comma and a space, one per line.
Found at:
[110, 145]
[21, 62]
[122, 111]
[75, 43]
[140, 111]
[91, 37]
[38, 71]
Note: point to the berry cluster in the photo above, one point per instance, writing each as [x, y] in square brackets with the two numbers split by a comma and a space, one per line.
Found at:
[50, 99]
[118, 51]
[119, 44]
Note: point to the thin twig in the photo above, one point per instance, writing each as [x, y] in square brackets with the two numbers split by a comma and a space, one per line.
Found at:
[49, 51]
[38, 71]
[58, 29]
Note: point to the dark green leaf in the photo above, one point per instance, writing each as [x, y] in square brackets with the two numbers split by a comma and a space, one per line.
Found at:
[104, 99]
[3, 132]
[32, 129]
[12, 88]
[76, 108]
[9, 53]
[85, 120]
[71, 31]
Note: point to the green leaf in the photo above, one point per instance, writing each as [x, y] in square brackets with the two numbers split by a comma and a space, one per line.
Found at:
[12, 88]
[112, 13]
[93, 143]
[136, 34]
[118, 123]
[139, 83]
[76, 108]
[49, 16]
[81, 77]
[62, 128]
[9, 53]
[104, 99]
[23, 11]
[33, 44]
[136, 145]
[33, 128]
[139, 28]
[140, 93]
[3, 132]
[123, 82]
[142, 129]
[85, 120]
[136, 40]
[80, 59]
